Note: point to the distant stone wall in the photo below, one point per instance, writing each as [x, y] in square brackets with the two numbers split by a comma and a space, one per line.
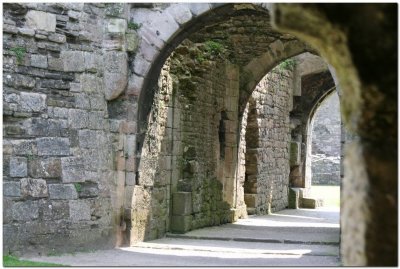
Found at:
[326, 136]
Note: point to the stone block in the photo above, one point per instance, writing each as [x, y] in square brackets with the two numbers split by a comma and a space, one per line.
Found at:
[308, 203]
[114, 84]
[93, 62]
[62, 191]
[91, 83]
[55, 210]
[199, 8]
[32, 187]
[58, 38]
[132, 41]
[180, 12]
[26, 32]
[78, 118]
[115, 9]
[250, 199]
[53, 146]
[75, 15]
[79, 210]
[18, 167]
[182, 203]
[88, 190]
[117, 26]
[55, 64]
[40, 20]
[128, 196]
[73, 61]
[25, 211]
[294, 197]
[19, 81]
[141, 66]
[181, 224]
[32, 102]
[73, 169]
[295, 150]
[39, 61]
[45, 168]
[135, 85]
[130, 179]
[12, 189]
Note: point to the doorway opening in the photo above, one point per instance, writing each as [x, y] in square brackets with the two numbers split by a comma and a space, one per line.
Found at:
[326, 152]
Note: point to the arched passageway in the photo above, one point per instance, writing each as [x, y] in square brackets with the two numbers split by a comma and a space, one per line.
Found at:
[326, 152]
[244, 75]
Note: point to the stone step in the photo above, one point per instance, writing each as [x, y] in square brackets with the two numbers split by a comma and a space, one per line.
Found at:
[311, 202]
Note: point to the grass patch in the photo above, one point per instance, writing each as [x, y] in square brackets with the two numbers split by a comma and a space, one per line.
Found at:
[11, 261]
[330, 194]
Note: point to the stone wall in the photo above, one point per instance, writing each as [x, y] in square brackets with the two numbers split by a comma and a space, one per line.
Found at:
[265, 142]
[326, 136]
[62, 142]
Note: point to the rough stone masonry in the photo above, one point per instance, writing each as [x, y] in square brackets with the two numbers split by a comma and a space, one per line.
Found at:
[122, 122]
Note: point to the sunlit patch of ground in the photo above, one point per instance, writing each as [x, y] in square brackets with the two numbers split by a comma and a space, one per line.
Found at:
[330, 194]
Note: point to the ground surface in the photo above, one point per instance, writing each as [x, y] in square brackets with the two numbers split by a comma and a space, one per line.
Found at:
[303, 237]
[330, 194]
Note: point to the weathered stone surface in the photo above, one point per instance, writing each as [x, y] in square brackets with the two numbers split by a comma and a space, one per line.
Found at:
[45, 168]
[58, 38]
[41, 20]
[78, 118]
[91, 83]
[116, 26]
[18, 167]
[73, 61]
[25, 211]
[56, 64]
[199, 8]
[182, 203]
[18, 80]
[180, 13]
[79, 210]
[55, 210]
[115, 74]
[36, 188]
[135, 85]
[115, 9]
[295, 150]
[33, 102]
[181, 224]
[39, 61]
[88, 190]
[53, 146]
[12, 189]
[141, 66]
[132, 41]
[26, 31]
[62, 192]
[73, 169]
[93, 62]
[130, 179]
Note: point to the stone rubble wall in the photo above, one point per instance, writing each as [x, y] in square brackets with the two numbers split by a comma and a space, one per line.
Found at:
[65, 159]
[272, 98]
[326, 137]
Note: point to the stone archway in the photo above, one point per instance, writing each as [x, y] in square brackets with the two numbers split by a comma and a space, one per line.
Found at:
[339, 56]
[188, 163]
[369, 182]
